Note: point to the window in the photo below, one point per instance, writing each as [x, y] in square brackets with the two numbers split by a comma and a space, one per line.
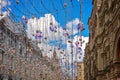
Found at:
[118, 49]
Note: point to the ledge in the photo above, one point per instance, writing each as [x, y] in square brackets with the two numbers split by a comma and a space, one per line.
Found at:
[116, 61]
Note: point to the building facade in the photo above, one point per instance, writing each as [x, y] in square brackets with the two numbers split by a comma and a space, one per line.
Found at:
[21, 58]
[102, 54]
[80, 71]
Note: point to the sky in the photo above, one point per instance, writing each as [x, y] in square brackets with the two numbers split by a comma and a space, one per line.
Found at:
[38, 8]
[62, 14]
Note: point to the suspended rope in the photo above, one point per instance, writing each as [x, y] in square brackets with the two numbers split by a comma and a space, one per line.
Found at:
[27, 10]
[34, 7]
[44, 6]
[72, 60]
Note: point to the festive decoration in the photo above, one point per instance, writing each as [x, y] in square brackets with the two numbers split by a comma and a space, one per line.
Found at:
[79, 49]
[69, 41]
[65, 5]
[38, 34]
[17, 2]
[80, 38]
[1, 14]
[80, 53]
[65, 33]
[24, 20]
[79, 57]
[51, 28]
[77, 43]
[80, 26]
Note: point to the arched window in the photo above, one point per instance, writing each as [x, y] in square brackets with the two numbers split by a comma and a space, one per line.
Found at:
[118, 49]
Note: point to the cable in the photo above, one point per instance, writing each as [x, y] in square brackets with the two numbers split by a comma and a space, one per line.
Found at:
[54, 6]
[14, 18]
[34, 7]
[61, 3]
[21, 11]
[26, 8]
[44, 7]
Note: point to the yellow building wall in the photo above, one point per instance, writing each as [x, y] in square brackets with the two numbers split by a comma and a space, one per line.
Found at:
[80, 71]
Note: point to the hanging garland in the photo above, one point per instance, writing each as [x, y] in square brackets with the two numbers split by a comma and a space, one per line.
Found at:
[80, 26]
[38, 34]
[51, 27]
[17, 1]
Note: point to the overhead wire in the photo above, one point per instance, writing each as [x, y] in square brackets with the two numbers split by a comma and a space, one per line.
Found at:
[28, 15]
[72, 60]
[15, 8]
[27, 10]
[34, 7]
[44, 6]
[61, 4]
[12, 15]
[54, 6]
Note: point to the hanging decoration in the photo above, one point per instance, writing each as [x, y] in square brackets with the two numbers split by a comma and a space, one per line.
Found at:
[51, 27]
[65, 5]
[17, 1]
[80, 38]
[38, 34]
[65, 33]
[79, 57]
[69, 41]
[55, 30]
[77, 43]
[24, 20]
[80, 26]
[79, 49]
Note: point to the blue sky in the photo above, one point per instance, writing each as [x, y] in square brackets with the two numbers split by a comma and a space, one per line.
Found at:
[62, 14]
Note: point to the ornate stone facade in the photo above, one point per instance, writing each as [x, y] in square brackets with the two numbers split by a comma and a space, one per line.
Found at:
[102, 54]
